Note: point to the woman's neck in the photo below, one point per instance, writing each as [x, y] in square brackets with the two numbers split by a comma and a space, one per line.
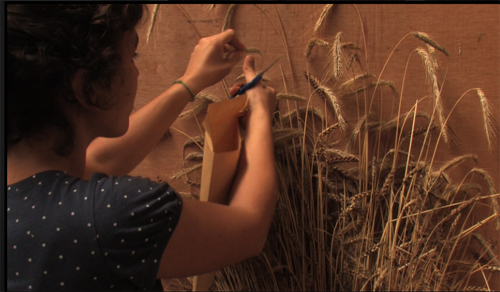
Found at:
[28, 158]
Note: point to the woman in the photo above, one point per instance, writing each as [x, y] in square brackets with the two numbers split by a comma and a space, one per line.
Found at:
[75, 220]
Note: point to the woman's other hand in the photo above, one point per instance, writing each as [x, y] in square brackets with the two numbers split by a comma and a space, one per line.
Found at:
[211, 60]
[261, 99]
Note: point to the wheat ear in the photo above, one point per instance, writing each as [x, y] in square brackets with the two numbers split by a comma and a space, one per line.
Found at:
[355, 79]
[186, 171]
[327, 93]
[312, 43]
[489, 124]
[227, 19]
[322, 16]
[487, 246]
[200, 140]
[491, 185]
[194, 156]
[336, 53]
[328, 130]
[425, 37]
[435, 89]
[432, 53]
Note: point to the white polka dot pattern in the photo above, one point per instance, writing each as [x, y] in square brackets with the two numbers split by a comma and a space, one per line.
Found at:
[68, 217]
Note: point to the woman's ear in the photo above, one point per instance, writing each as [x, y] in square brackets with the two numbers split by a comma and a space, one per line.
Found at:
[77, 86]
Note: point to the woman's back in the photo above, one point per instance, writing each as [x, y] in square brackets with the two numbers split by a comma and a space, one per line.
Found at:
[108, 233]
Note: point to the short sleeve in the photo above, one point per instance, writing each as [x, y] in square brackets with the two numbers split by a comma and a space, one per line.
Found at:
[134, 219]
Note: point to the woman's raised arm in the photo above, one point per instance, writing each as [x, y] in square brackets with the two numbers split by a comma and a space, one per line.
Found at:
[207, 66]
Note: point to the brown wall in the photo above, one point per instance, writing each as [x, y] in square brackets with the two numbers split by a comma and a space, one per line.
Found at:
[470, 33]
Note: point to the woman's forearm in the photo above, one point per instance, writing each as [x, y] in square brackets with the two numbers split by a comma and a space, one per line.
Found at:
[206, 67]
[256, 185]
[119, 156]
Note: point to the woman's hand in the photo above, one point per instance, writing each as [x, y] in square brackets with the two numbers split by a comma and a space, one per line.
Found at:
[211, 61]
[261, 99]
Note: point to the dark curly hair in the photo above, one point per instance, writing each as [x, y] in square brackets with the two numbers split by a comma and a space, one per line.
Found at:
[45, 45]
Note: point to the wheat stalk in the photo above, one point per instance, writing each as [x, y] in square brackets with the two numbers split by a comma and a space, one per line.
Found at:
[186, 171]
[355, 79]
[432, 54]
[199, 140]
[289, 96]
[327, 93]
[153, 18]
[194, 156]
[285, 118]
[352, 57]
[322, 16]
[336, 53]
[487, 246]
[491, 185]
[492, 268]
[476, 288]
[342, 154]
[425, 37]
[205, 98]
[435, 89]
[242, 77]
[380, 279]
[371, 85]
[327, 130]
[489, 125]
[312, 43]
[283, 135]
[456, 161]
[350, 46]
[227, 18]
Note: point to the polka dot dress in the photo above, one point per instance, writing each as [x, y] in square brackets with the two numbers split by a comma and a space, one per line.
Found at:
[108, 233]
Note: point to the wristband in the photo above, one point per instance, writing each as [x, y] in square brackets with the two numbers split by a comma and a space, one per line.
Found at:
[190, 92]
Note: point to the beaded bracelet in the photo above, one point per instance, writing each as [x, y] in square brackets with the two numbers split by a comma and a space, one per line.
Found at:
[190, 92]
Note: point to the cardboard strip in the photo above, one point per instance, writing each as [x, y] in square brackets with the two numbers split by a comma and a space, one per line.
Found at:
[220, 159]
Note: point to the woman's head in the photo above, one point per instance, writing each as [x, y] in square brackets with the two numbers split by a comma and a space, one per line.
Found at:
[47, 44]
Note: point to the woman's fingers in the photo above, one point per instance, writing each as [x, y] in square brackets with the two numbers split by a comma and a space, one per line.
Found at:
[235, 88]
[249, 68]
[211, 59]
[229, 36]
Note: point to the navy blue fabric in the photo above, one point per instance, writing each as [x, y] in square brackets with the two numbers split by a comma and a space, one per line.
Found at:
[108, 233]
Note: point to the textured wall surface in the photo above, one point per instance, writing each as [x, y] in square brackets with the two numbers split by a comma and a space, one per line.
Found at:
[470, 33]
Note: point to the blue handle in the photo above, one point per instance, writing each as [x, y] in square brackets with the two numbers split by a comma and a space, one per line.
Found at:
[248, 86]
